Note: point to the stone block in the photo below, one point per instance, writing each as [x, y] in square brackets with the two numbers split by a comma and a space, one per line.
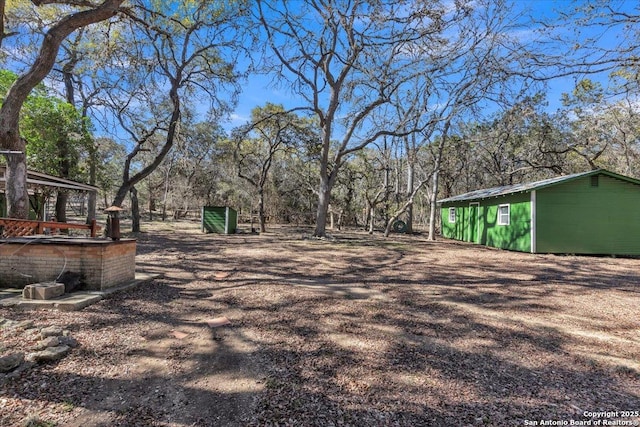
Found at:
[11, 361]
[40, 291]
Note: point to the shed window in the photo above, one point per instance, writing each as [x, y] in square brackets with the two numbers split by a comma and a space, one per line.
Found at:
[504, 214]
[594, 181]
[452, 215]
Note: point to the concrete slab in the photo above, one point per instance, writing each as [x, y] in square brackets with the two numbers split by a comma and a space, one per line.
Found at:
[77, 302]
[68, 302]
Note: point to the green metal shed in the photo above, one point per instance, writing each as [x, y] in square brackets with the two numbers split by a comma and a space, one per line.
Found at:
[219, 219]
[596, 212]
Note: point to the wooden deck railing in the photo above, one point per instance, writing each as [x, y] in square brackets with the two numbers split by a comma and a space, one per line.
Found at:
[10, 227]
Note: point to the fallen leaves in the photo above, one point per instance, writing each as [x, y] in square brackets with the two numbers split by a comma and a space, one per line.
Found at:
[356, 332]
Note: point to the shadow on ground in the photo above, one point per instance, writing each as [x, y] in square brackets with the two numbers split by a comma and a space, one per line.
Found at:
[356, 330]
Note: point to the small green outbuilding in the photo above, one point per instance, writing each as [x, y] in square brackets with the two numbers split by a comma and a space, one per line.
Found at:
[219, 219]
[596, 212]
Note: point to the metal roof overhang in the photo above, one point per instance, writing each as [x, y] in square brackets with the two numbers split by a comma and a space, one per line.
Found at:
[38, 179]
[528, 186]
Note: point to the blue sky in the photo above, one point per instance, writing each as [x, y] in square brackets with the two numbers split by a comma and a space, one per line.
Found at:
[259, 89]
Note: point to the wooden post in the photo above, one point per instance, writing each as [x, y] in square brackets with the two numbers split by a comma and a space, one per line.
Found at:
[93, 228]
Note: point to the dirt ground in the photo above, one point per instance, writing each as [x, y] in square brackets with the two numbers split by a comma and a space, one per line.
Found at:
[355, 330]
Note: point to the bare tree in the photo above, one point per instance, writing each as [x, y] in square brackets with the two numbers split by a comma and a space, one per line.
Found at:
[272, 130]
[491, 68]
[165, 59]
[346, 60]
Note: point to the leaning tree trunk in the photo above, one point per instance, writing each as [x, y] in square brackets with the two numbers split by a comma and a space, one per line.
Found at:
[16, 175]
[404, 208]
[129, 181]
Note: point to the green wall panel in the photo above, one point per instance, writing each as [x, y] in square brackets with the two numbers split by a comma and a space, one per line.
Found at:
[479, 223]
[576, 217]
[595, 214]
[517, 235]
[455, 230]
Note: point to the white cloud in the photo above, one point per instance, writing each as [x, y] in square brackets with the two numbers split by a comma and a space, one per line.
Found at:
[235, 118]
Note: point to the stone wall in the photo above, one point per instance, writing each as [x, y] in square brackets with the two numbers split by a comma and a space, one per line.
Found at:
[102, 263]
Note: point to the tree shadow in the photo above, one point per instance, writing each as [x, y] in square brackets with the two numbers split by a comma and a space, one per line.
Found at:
[355, 332]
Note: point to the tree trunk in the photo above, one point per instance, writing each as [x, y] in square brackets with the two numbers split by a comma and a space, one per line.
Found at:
[121, 194]
[135, 210]
[17, 197]
[410, 183]
[433, 206]
[434, 183]
[372, 216]
[152, 204]
[403, 209]
[64, 170]
[261, 213]
[367, 215]
[166, 194]
[323, 206]
[387, 171]
[93, 195]
[61, 208]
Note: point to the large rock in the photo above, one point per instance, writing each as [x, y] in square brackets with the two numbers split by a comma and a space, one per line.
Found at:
[49, 354]
[48, 342]
[11, 361]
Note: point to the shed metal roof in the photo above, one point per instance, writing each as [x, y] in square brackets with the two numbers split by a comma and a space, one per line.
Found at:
[529, 186]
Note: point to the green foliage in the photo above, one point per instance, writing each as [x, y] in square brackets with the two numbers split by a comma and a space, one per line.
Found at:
[54, 130]
[54, 133]
[109, 158]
